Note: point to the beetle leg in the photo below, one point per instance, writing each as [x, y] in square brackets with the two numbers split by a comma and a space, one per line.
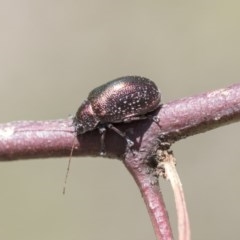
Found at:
[134, 118]
[122, 134]
[141, 117]
[102, 131]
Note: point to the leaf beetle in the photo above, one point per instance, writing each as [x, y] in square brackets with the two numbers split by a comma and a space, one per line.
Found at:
[124, 99]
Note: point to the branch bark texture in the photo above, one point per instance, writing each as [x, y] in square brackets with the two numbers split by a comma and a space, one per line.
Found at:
[178, 119]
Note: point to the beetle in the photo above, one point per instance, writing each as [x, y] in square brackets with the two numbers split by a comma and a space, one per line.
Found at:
[124, 99]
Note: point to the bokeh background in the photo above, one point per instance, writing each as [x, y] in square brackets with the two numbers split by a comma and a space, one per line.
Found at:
[52, 53]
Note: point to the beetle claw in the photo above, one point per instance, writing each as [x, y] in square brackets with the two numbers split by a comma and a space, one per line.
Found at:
[129, 142]
[102, 153]
[156, 119]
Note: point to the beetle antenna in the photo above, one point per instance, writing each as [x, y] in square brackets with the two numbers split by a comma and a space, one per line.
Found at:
[68, 167]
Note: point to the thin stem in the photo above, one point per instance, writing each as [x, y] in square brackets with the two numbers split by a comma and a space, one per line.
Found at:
[167, 168]
[150, 190]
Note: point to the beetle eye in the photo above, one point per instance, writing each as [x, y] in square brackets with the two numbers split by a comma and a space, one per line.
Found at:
[79, 128]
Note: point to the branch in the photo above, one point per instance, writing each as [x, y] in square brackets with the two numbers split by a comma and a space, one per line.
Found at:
[178, 119]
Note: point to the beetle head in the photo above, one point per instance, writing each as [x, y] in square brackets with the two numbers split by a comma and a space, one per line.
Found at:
[85, 119]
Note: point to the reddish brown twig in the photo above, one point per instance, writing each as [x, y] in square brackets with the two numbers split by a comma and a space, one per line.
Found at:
[178, 119]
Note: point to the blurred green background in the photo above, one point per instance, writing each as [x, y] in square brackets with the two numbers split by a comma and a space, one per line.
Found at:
[52, 53]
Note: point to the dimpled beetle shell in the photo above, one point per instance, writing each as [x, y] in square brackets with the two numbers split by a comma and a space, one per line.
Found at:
[117, 101]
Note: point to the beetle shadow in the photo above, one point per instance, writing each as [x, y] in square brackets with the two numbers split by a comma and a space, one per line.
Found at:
[114, 142]
[135, 130]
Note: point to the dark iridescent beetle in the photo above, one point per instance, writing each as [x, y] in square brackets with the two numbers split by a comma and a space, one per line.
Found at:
[124, 99]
